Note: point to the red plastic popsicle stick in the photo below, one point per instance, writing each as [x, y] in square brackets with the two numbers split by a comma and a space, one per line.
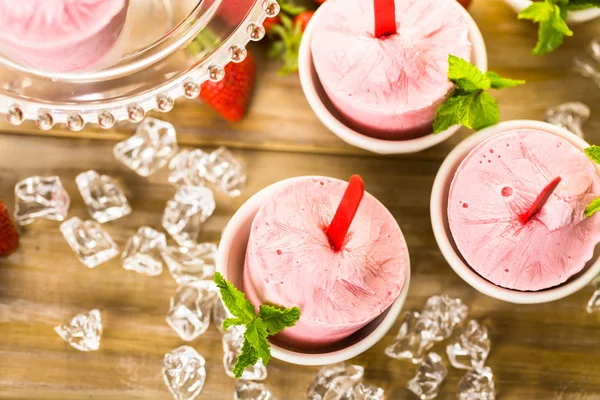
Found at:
[539, 201]
[385, 17]
[345, 212]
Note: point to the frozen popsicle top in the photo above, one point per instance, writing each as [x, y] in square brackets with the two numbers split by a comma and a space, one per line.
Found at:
[498, 182]
[60, 35]
[290, 261]
[389, 87]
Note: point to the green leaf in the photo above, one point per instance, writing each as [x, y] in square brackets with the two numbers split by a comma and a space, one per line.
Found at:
[256, 335]
[474, 110]
[553, 27]
[483, 111]
[499, 82]
[291, 9]
[235, 301]
[592, 207]
[247, 358]
[593, 153]
[450, 113]
[538, 11]
[582, 4]
[466, 76]
[231, 322]
[277, 319]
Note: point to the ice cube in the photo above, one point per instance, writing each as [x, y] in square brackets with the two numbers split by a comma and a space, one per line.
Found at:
[184, 372]
[191, 264]
[429, 377]
[334, 381]
[232, 347]
[83, 332]
[104, 198]
[571, 116]
[40, 197]
[152, 146]
[189, 313]
[477, 384]
[142, 253]
[91, 244]
[225, 171]
[471, 348]
[248, 390]
[186, 213]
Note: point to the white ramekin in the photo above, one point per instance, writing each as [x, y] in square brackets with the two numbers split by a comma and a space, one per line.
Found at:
[230, 263]
[443, 236]
[326, 112]
[574, 17]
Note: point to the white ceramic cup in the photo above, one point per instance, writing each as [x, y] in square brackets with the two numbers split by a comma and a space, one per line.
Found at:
[230, 263]
[574, 17]
[330, 117]
[443, 235]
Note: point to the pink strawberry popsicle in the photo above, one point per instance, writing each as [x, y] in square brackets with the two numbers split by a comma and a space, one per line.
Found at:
[492, 191]
[62, 35]
[388, 87]
[291, 262]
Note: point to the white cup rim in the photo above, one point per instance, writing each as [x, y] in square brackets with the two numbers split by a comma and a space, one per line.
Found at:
[355, 138]
[297, 357]
[443, 236]
[574, 17]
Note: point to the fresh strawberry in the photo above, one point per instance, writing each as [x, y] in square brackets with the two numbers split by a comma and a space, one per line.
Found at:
[319, 2]
[269, 23]
[303, 19]
[9, 237]
[230, 96]
[464, 3]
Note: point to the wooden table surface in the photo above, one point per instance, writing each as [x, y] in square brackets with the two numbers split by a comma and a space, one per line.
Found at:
[549, 351]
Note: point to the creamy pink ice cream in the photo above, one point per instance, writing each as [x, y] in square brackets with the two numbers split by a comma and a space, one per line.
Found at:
[390, 87]
[61, 35]
[498, 181]
[290, 262]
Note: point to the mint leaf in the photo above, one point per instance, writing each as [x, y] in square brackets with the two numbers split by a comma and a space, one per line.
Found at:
[277, 319]
[593, 153]
[475, 110]
[592, 207]
[483, 111]
[234, 300]
[466, 76]
[553, 27]
[450, 113]
[470, 105]
[231, 322]
[498, 82]
[256, 335]
[269, 321]
[582, 4]
[247, 358]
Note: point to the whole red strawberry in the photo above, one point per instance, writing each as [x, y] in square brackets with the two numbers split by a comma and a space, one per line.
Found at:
[9, 237]
[230, 96]
[303, 19]
[464, 3]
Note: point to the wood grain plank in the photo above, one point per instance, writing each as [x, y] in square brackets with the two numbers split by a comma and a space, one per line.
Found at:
[539, 352]
[281, 119]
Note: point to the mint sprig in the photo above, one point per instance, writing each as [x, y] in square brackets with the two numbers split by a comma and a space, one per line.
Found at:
[269, 321]
[551, 15]
[470, 105]
[593, 153]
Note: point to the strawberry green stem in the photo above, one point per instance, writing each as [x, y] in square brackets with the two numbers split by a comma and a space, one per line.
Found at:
[345, 212]
[539, 201]
[385, 17]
